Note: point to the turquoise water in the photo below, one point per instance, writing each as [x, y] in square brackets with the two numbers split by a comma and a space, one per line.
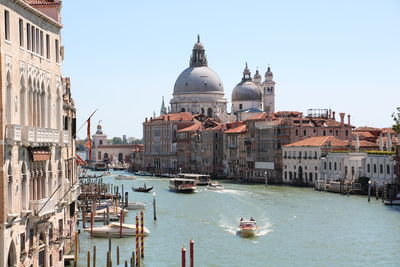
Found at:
[298, 227]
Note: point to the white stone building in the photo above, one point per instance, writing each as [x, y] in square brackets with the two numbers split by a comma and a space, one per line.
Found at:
[380, 168]
[38, 185]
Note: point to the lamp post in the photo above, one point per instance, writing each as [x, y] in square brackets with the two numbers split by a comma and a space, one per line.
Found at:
[266, 178]
[369, 190]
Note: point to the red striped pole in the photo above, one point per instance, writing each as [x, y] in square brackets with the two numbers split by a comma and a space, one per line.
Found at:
[142, 234]
[137, 241]
[91, 223]
[183, 257]
[191, 253]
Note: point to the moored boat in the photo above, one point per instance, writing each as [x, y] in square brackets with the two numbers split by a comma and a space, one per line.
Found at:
[394, 201]
[125, 177]
[135, 206]
[181, 185]
[143, 173]
[116, 230]
[248, 228]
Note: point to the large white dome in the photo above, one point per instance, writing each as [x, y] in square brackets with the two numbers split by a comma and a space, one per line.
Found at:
[198, 80]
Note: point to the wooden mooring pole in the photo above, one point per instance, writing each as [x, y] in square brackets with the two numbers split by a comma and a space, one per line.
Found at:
[141, 234]
[94, 256]
[191, 245]
[183, 257]
[137, 242]
[154, 206]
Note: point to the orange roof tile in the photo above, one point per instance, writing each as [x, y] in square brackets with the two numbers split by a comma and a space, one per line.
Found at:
[191, 128]
[320, 141]
[239, 129]
[181, 116]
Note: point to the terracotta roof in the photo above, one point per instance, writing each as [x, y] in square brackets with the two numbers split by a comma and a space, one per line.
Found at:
[181, 116]
[287, 113]
[366, 129]
[320, 141]
[364, 143]
[259, 116]
[388, 130]
[239, 129]
[191, 128]
[363, 135]
[42, 2]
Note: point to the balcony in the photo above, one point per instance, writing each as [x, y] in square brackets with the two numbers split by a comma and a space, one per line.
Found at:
[13, 132]
[231, 145]
[74, 193]
[18, 133]
[40, 207]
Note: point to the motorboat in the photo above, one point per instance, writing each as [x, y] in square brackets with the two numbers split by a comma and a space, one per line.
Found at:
[215, 186]
[143, 189]
[181, 185]
[125, 177]
[248, 228]
[112, 210]
[115, 229]
[107, 173]
[135, 206]
[101, 218]
[201, 179]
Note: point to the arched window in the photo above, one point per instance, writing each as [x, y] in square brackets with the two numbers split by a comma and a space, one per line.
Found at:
[49, 105]
[374, 168]
[59, 180]
[30, 102]
[381, 168]
[24, 189]
[182, 109]
[10, 188]
[42, 109]
[202, 111]
[368, 168]
[22, 102]
[120, 157]
[49, 178]
[388, 169]
[209, 112]
[8, 98]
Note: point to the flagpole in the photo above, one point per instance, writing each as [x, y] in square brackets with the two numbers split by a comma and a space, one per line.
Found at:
[85, 123]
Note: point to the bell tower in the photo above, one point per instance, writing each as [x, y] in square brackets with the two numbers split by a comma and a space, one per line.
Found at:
[268, 90]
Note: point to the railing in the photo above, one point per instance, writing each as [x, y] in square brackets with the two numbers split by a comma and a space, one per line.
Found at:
[13, 132]
[65, 136]
[74, 193]
[40, 207]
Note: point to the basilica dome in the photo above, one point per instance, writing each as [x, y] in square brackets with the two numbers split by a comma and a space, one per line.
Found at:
[198, 80]
[246, 91]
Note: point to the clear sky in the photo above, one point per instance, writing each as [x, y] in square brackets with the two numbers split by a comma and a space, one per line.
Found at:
[123, 56]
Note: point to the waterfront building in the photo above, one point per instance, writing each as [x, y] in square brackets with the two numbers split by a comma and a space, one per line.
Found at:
[378, 167]
[160, 141]
[39, 184]
[234, 151]
[104, 152]
[137, 158]
[302, 159]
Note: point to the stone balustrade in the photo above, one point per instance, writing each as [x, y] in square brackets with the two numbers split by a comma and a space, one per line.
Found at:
[40, 207]
[15, 133]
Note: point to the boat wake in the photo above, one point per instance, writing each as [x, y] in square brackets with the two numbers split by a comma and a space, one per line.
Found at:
[233, 192]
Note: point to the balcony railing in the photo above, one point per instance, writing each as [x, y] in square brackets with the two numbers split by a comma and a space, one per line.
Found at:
[13, 132]
[40, 207]
[74, 193]
[35, 134]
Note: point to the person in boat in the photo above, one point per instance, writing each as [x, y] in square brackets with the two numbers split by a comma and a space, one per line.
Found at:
[241, 219]
[251, 219]
[144, 185]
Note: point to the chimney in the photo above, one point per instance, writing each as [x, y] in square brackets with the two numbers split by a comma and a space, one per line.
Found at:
[333, 115]
[146, 119]
[330, 114]
[342, 118]
[348, 119]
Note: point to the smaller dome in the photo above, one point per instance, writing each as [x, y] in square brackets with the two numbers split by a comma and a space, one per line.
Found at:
[269, 72]
[257, 75]
[198, 46]
[246, 91]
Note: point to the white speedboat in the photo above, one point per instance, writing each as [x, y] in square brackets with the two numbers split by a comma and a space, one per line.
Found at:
[114, 230]
[107, 173]
[215, 186]
[135, 206]
[248, 228]
[112, 210]
[125, 177]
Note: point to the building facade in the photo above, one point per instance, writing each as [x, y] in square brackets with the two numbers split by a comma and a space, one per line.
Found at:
[38, 183]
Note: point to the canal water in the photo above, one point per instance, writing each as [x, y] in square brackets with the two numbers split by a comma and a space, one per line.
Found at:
[298, 227]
